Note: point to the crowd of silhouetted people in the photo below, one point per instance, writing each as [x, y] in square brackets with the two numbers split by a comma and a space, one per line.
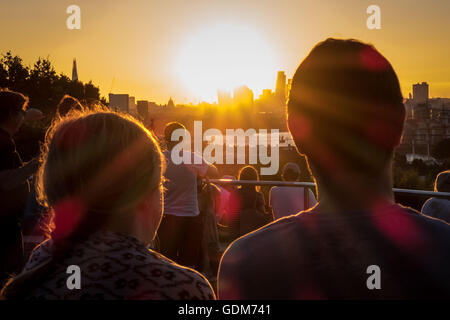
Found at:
[106, 196]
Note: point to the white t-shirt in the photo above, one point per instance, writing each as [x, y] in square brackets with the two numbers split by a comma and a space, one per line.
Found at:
[286, 201]
[180, 196]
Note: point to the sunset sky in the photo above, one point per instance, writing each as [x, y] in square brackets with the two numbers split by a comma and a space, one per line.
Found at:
[188, 49]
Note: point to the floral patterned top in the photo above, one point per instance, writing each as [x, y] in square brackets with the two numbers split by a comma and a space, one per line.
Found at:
[116, 266]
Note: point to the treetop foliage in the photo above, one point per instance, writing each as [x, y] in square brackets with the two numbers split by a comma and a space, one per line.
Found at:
[42, 84]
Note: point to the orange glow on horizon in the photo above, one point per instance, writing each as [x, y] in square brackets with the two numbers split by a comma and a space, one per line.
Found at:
[224, 56]
[187, 50]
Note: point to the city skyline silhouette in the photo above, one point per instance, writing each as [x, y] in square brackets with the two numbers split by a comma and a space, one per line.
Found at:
[187, 52]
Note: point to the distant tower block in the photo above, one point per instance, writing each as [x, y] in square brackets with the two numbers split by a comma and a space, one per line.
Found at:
[74, 71]
[170, 104]
[420, 92]
[280, 88]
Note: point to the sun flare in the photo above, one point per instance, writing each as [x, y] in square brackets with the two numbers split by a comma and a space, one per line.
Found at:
[222, 57]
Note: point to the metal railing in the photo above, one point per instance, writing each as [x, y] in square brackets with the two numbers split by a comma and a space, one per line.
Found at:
[311, 185]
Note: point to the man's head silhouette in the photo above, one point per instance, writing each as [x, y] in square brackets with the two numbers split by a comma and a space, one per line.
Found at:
[345, 109]
[168, 131]
[346, 114]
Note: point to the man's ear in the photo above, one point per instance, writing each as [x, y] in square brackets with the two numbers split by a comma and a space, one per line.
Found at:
[300, 128]
[400, 127]
[399, 136]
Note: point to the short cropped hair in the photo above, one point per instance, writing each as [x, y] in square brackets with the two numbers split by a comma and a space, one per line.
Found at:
[442, 183]
[291, 171]
[346, 107]
[170, 128]
[11, 103]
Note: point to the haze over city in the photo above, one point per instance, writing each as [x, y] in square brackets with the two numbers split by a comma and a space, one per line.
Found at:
[155, 50]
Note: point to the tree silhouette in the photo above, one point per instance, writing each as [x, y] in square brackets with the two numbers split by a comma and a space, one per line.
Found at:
[42, 84]
[16, 75]
[45, 88]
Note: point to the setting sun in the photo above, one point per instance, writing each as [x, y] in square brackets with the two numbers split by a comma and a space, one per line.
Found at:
[223, 56]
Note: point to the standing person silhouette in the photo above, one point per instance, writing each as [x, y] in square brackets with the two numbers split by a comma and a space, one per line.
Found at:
[285, 201]
[180, 234]
[247, 205]
[14, 186]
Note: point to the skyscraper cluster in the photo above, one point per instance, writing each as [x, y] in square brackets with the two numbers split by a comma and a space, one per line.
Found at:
[427, 122]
